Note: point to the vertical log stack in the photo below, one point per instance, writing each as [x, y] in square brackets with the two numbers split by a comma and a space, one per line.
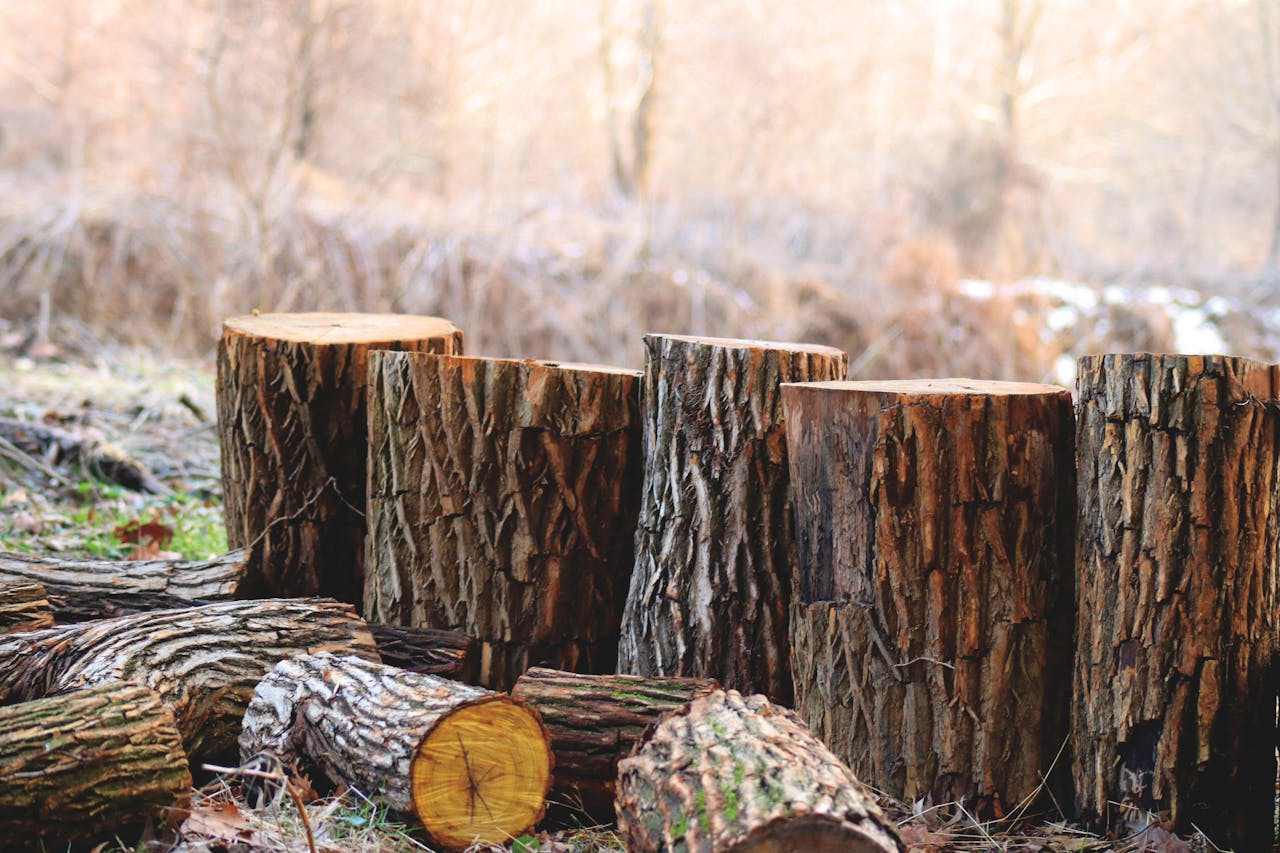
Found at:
[1174, 708]
[714, 548]
[932, 631]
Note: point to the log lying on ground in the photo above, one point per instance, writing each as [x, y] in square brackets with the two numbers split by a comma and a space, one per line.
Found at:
[51, 445]
[203, 661]
[472, 765]
[731, 773]
[23, 607]
[931, 642]
[88, 764]
[428, 651]
[292, 424]
[712, 579]
[596, 720]
[502, 502]
[1174, 708]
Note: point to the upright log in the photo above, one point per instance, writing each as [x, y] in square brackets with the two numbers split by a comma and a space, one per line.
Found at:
[1174, 709]
[502, 503]
[932, 634]
[292, 422]
[23, 607]
[714, 547]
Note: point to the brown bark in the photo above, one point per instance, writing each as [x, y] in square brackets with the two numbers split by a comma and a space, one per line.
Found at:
[596, 720]
[86, 765]
[23, 607]
[428, 651]
[712, 579]
[203, 661]
[502, 503]
[472, 765]
[931, 640]
[292, 423]
[730, 773]
[1174, 705]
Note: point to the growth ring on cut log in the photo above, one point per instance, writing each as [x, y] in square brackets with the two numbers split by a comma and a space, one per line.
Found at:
[292, 424]
[931, 640]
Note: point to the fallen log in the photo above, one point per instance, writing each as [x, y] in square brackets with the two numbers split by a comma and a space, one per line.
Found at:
[473, 766]
[734, 773]
[428, 651]
[23, 607]
[49, 445]
[89, 764]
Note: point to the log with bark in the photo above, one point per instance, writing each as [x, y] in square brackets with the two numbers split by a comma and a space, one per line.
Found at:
[1174, 708]
[24, 606]
[472, 765]
[502, 503]
[712, 580]
[596, 720]
[89, 764]
[428, 651]
[292, 424]
[203, 661]
[735, 773]
[931, 638]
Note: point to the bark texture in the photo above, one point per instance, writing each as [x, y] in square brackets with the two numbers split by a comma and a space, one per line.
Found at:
[733, 773]
[594, 721]
[23, 607]
[428, 651]
[83, 766]
[931, 640]
[203, 661]
[502, 503]
[292, 424]
[714, 547]
[1174, 705]
[473, 765]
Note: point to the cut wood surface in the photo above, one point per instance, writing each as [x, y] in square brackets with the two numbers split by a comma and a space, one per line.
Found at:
[85, 765]
[502, 503]
[931, 639]
[596, 720]
[712, 581]
[203, 661]
[472, 765]
[732, 773]
[23, 607]
[429, 651]
[292, 424]
[1174, 706]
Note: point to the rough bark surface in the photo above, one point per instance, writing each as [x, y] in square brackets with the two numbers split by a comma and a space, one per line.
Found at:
[292, 424]
[732, 773]
[596, 720]
[85, 765]
[931, 639]
[502, 503]
[203, 661]
[23, 607]
[1174, 707]
[428, 651]
[473, 765]
[714, 547]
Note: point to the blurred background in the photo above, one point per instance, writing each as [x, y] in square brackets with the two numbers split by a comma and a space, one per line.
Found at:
[983, 188]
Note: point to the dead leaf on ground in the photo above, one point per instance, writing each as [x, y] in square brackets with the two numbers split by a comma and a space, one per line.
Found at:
[220, 820]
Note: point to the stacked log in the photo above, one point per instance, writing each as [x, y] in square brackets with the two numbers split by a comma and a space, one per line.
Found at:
[24, 606]
[428, 651]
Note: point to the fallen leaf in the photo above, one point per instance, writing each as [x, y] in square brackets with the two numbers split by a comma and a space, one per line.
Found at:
[220, 820]
[144, 532]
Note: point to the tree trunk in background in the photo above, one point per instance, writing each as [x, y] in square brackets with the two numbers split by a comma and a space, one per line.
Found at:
[502, 503]
[474, 766]
[292, 422]
[23, 607]
[428, 651]
[712, 579]
[728, 773]
[932, 632]
[1174, 706]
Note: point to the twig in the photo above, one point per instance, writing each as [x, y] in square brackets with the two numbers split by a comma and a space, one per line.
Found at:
[12, 452]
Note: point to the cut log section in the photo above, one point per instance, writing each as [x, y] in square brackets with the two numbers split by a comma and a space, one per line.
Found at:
[23, 607]
[292, 424]
[472, 765]
[1174, 706]
[596, 720]
[428, 651]
[87, 764]
[203, 661]
[712, 580]
[730, 773]
[931, 640]
[502, 503]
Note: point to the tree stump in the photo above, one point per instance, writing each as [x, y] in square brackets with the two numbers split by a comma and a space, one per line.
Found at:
[472, 765]
[502, 503]
[82, 766]
[594, 721]
[23, 607]
[712, 580]
[932, 631]
[728, 773]
[1174, 708]
[292, 424]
